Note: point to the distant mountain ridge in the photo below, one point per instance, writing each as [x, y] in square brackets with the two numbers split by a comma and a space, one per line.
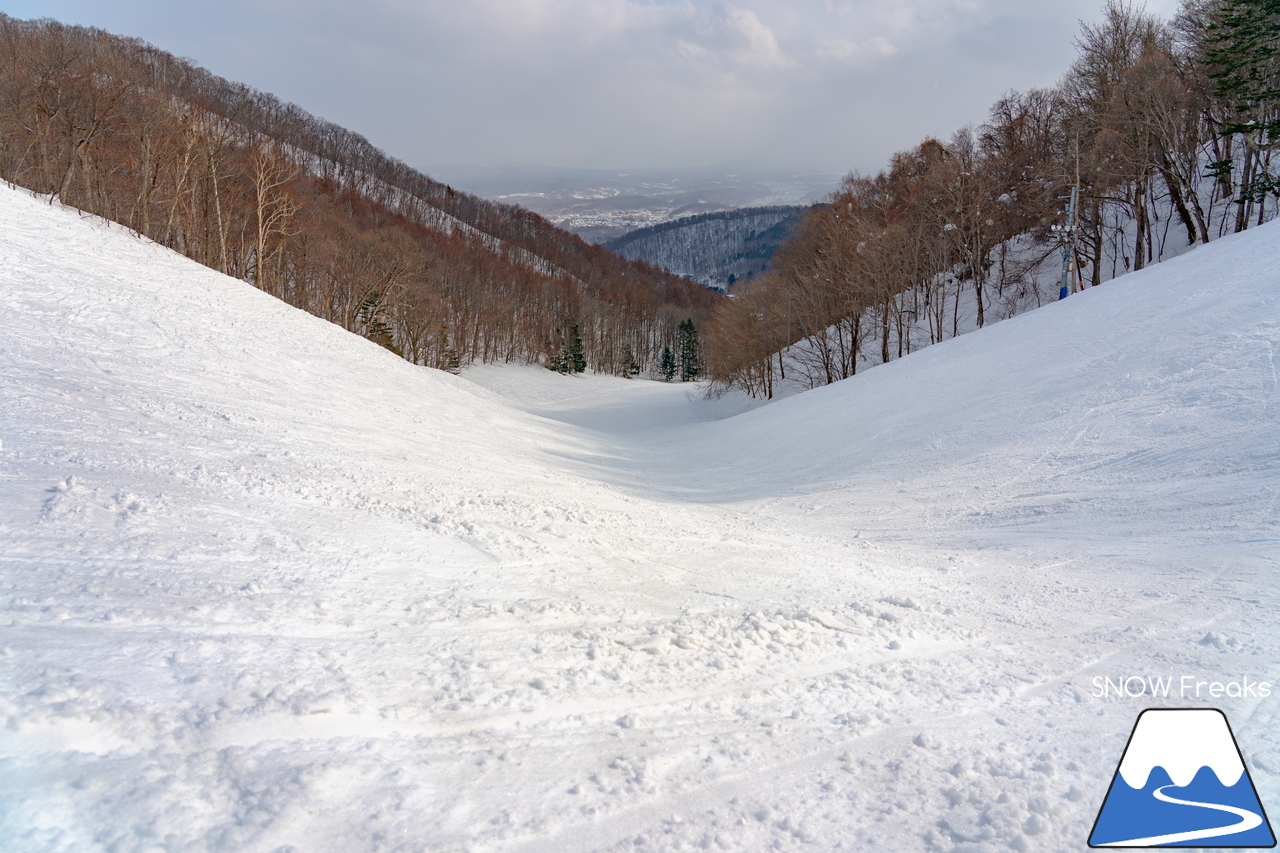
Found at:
[606, 204]
[315, 214]
[718, 249]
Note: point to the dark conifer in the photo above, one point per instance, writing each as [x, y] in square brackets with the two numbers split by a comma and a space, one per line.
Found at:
[668, 365]
[690, 351]
[575, 357]
[556, 353]
[630, 367]
[1244, 59]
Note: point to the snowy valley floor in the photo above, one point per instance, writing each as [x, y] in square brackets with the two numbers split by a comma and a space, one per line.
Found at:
[265, 587]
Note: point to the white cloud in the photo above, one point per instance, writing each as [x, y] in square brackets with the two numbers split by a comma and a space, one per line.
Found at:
[646, 83]
[757, 45]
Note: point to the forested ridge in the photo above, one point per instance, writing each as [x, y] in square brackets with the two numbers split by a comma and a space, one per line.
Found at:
[717, 249]
[313, 213]
[1168, 129]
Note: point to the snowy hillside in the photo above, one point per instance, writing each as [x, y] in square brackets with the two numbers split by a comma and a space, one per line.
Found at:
[267, 587]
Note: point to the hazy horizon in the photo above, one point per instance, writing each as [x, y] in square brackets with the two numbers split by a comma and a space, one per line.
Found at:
[759, 85]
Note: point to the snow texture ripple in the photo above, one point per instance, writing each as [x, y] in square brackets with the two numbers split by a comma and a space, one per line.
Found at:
[266, 587]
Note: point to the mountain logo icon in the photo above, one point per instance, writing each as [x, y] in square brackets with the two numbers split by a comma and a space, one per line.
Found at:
[1182, 782]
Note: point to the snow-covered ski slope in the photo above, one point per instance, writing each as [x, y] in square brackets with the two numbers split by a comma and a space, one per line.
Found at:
[266, 587]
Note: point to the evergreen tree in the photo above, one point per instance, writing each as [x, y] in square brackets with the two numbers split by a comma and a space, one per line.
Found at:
[1244, 59]
[566, 353]
[372, 315]
[630, 367]
[448, 357]
[575, 357]
[667, 366]
[690, 351]
[556, 354]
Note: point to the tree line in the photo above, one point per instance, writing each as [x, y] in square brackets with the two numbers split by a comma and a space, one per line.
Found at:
[314, 214]
[1167, 128]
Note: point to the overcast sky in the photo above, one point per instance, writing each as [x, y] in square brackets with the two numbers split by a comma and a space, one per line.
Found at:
[655, 84]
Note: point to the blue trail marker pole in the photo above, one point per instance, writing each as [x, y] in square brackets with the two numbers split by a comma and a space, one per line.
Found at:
[1069, 248]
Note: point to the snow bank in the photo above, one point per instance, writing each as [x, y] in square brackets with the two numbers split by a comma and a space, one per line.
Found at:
[266, 587]
[1139, 407]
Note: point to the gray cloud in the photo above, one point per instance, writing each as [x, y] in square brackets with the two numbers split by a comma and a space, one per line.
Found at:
[830, 84]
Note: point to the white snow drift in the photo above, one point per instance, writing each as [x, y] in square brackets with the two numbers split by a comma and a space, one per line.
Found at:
[266, 587]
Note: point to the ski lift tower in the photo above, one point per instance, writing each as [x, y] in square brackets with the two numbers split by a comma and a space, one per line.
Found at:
[1069, 274]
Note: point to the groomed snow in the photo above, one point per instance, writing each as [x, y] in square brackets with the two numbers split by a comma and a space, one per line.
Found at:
[266, 587]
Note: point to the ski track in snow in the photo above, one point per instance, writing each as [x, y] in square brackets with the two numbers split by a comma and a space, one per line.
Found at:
[266, 587]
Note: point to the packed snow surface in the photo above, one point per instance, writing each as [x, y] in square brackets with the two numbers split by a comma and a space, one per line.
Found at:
[266, 587]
